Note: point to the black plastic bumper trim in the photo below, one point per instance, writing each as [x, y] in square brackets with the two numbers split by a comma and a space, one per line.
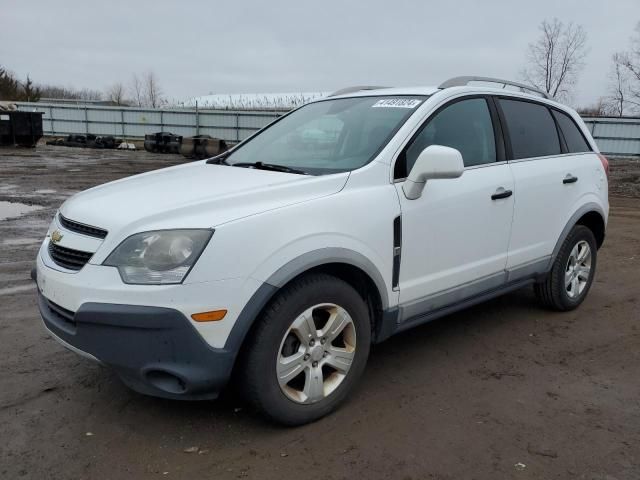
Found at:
[153, 350]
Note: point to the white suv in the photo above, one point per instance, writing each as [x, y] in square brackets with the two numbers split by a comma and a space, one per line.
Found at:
[345, 221]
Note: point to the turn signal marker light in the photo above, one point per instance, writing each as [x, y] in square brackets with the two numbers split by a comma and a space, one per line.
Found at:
[213, 316]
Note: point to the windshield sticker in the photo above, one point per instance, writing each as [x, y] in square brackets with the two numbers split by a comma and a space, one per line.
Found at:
[397, 103]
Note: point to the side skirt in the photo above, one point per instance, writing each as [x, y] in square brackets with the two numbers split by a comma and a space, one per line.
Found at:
[441, 312]
[407, 316]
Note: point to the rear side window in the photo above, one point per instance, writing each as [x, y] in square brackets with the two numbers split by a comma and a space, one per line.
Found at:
[531, 128]
[464, 125]
[575, 140]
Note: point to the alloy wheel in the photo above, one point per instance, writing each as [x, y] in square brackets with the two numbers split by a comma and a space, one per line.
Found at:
[316, 353]
[578, 268]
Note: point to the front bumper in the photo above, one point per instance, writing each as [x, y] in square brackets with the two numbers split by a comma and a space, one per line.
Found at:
[101, 284]
[154, 350]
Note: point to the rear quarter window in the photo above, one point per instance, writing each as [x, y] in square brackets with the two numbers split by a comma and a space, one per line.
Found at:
[531, 129]
[573, 137]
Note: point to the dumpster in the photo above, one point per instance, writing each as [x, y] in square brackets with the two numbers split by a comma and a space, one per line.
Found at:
[20, 128]
[202, 146]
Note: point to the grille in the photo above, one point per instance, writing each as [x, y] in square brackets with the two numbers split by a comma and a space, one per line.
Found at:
[67, 257]
[82, 228]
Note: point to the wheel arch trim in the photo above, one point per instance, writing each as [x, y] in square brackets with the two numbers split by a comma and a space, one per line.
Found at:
[325, 256]
[573, 220]
[289, 271]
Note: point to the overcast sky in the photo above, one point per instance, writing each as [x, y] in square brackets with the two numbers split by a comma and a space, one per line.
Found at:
[205, 46]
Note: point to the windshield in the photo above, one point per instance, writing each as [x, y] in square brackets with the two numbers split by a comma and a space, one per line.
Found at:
[329, 136]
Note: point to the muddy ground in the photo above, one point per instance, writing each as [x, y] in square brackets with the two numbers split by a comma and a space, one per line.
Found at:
[502, 390]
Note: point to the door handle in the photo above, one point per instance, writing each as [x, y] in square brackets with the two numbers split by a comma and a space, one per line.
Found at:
[501, 193]
[569, 179]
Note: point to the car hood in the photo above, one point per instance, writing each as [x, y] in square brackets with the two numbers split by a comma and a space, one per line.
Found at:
[195, 195]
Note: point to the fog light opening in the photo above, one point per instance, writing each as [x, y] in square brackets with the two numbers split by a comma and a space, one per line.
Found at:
[167, 382]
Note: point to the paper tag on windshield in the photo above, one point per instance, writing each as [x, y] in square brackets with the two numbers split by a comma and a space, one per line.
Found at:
[397, 103]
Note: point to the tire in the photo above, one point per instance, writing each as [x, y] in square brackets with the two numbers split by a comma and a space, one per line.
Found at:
[568, 283]
[284, 390]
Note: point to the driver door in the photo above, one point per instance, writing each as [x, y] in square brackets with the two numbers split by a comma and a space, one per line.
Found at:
[455, 237]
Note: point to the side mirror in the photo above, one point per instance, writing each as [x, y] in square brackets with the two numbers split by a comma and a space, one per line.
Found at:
[434, 162]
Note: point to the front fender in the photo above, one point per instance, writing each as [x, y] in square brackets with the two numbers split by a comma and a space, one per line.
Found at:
[292, 269]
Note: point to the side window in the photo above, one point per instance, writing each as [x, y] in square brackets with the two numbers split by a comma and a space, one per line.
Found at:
[531, 128]
[464, 125]
[574, 138]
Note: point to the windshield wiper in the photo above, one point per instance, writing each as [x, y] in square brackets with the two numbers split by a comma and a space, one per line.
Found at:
[269, 166]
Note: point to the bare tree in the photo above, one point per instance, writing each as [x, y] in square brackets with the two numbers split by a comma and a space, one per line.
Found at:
[629, 64]
[556, 58]
[30, 92]
[13, 89]
[598, 109]
[89, 94]
[116, 94]
[137, 92]
[619, 86]
[9, 85]
[152, 90]
[55, 91]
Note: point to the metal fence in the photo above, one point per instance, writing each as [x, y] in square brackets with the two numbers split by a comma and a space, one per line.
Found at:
[128, 122]
[616, 136]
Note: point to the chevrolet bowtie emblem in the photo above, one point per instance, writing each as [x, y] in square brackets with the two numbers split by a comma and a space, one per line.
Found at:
[56, 236]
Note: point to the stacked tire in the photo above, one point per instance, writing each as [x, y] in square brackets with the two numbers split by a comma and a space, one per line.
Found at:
[162, 142]
[85, 141]
[202, 146]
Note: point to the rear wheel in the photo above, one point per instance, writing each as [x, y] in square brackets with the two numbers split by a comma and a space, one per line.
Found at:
[572, 272]
[308, 350]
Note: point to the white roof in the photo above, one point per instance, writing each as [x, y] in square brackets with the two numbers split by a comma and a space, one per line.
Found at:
[289, 100]
[392, 91]
[242, 101]
[282, 100]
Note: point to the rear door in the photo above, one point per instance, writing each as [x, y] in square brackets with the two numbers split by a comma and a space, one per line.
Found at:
[551, 173]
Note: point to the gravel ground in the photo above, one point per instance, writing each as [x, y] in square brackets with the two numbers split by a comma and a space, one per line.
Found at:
[501, 390]
[625, 177]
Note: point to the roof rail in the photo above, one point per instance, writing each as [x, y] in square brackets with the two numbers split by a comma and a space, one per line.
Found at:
[359, 88]
[462, 81]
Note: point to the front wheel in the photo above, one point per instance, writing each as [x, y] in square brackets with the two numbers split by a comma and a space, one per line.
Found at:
[571, 276]
[308, 350]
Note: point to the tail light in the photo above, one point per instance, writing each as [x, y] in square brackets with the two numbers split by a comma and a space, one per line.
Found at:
[605, 164]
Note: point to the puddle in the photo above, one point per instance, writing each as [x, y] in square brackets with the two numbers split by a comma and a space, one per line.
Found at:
[12, 210]
[20, 241]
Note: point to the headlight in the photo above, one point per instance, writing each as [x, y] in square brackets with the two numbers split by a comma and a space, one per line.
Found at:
[159, 257]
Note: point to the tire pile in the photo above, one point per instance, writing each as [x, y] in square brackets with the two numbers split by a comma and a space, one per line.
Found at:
[86, 141]
[162, 142]
[197, 147]
[202, 146]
